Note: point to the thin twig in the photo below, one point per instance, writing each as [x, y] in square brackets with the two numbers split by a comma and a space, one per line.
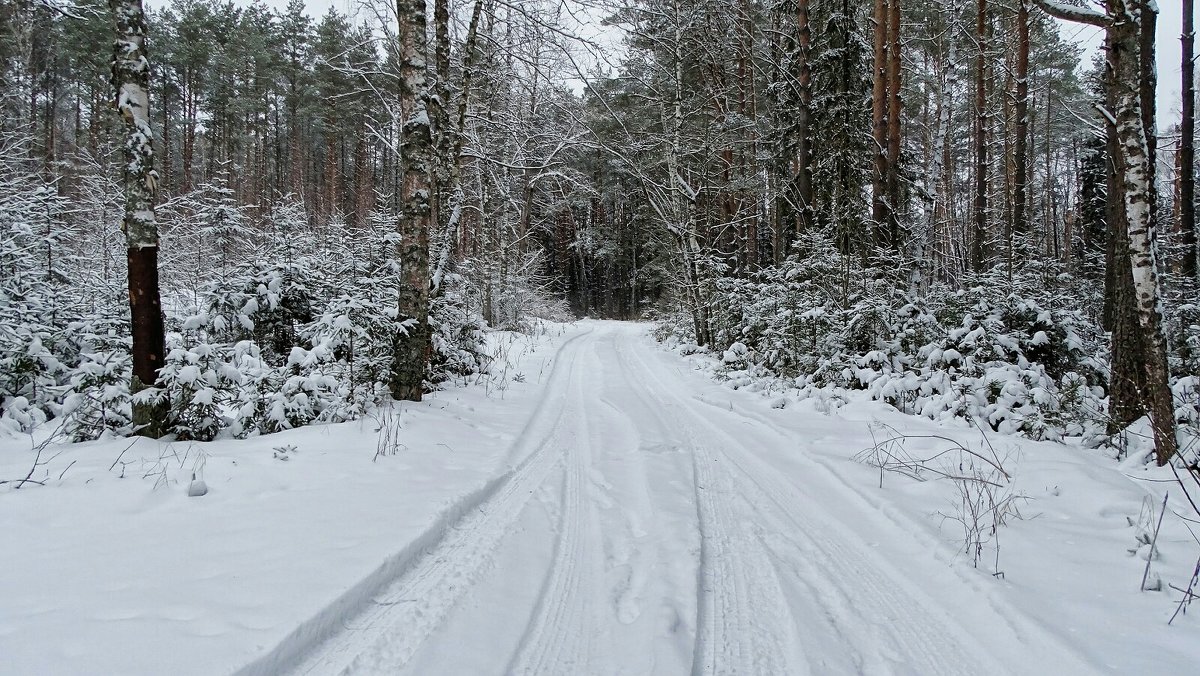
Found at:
[1154, 541]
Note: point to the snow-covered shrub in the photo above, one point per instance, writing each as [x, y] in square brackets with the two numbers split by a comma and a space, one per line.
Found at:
[1183, 327]
[262, 301]
[249, 402]
[18, 414]
[208, 388]
[1187, 414]
[31, 307]
[355, 335]
[61, 301]
[194, 384]
[1019, 354]
[275, 319]
[98, 398]
[28, 366]
[307, 394]
[456, 333]
[224, 226]
[787, 316]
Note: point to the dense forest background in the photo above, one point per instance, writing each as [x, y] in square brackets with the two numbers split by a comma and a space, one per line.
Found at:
[924, 199]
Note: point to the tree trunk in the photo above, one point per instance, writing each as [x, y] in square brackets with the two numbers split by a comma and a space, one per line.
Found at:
[879, 105]
[131, 80]
[1131, 60]
[893, 125]
[410, 359]
[439, 117]
[453, 159]
[364, 182]
[189, 139]
[803, 119]
[1020, 225]
[1187, 148]
[981, 149]
[1127, 379]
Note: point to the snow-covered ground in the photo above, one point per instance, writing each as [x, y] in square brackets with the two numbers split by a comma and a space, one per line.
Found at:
[611, 510]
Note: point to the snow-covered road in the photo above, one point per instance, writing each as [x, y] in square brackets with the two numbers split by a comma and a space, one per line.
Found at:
[646, 529]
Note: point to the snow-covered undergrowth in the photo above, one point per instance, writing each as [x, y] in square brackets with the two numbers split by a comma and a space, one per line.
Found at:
[1020, 354]
[269, 328]
[112, 568]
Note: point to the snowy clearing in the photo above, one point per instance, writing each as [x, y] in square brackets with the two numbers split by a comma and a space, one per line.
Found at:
[612, 510]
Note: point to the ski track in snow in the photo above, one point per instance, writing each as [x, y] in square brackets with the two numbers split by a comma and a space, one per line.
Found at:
[555, 643]
[676, 547]
[383, 636]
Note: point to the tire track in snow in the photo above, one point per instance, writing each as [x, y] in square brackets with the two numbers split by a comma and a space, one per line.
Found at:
[901, 649]
[742, 624]
[650, 527]
[1023, 629]
[893, 626]
[379, 624]
[747, 627]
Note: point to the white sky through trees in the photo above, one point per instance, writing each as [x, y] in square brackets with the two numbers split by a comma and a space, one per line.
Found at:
[1169, 25]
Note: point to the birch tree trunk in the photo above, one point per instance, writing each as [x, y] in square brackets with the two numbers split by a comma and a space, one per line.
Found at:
[411, 356]
[1136, 132]
[131, 80]
[1131, 82]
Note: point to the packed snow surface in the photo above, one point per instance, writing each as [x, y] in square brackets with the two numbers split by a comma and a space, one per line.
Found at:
[598, 507]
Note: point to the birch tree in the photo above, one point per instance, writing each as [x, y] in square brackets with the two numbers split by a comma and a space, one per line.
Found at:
[416, 215]
[1127, 67]
[131, 80]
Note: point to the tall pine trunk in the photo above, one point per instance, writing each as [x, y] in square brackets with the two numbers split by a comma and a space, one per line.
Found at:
[879, 120]
[981, 146]
[1127, 379]
[1187, 147]
[803, 118]
[895, 104]
[1020, 225]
